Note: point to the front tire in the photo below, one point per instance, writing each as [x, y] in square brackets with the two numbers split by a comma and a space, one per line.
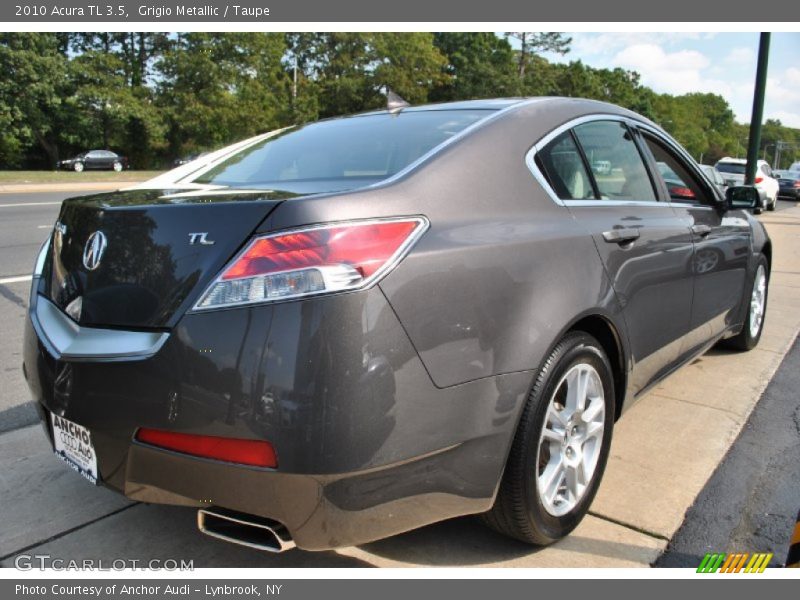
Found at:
[748, 337]
[561, 445]
[78, 167]
[117, 166]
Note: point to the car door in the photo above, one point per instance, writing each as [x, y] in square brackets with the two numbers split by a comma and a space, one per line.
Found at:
[93, 160]
[721, 245]
[645, 248]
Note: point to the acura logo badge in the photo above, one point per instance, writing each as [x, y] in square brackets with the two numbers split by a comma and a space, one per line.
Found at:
[94, 250]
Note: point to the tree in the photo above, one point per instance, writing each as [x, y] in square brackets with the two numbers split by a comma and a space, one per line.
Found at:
[479, 65]
[534, 42]
[33, 85]
[216, 88]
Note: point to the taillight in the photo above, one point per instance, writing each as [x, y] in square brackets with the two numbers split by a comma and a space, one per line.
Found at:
[315, 260]
[796, 184]
[255, 453]
[680, 191]
[759, 179]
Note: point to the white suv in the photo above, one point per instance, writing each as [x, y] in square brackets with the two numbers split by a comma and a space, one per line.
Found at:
[732, 170]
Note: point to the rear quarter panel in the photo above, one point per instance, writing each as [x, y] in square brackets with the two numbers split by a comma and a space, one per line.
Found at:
[502, 271]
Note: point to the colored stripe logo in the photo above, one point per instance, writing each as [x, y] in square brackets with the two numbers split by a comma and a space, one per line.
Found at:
[793, 559]
[742, 562]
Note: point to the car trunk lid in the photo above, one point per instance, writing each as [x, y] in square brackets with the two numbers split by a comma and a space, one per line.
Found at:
[154, 253]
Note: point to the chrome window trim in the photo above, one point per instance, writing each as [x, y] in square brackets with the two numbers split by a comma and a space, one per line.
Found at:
[70, 342]
[530, 160]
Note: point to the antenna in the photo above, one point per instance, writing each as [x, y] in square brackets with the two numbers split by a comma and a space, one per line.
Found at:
[394, 102]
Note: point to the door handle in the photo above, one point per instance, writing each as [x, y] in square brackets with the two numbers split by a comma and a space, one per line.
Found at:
[621, 236]
[701, 230]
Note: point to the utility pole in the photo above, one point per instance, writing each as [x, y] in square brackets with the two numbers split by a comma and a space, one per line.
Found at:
[758, 109]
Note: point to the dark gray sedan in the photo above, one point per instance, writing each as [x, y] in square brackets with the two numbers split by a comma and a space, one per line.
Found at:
[345, 330]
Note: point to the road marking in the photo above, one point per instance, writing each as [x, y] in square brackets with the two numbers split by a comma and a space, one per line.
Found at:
[17, 204]
[18, 279]
[44, 227]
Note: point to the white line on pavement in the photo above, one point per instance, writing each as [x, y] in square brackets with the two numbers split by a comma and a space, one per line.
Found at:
[44, 227]
[29, 204]
[18, 279]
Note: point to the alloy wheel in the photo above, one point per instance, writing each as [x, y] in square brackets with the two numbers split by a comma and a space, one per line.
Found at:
[571, 440]
[758, 301]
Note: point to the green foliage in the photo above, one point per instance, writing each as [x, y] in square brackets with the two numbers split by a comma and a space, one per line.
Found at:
[156, 96]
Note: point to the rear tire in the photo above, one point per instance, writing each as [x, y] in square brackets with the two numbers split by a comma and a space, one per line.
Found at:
[758, 290]
[560, 450]
[117, 166]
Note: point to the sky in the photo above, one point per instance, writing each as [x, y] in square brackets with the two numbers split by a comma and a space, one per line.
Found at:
[723, 63]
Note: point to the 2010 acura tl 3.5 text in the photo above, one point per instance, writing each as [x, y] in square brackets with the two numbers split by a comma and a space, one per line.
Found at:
[344, 330]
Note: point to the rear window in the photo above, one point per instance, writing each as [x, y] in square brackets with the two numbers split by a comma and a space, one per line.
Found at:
[735, 168]
[341, 154]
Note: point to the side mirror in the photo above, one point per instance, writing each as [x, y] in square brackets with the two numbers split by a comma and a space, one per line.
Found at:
[743, 196]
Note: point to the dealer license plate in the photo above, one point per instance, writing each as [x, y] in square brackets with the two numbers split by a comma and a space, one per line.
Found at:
[73, 445]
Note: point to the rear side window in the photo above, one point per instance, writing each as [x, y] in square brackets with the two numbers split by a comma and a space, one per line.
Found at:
[618, 167]
[562, 164]
[341, 154]
[734, 168]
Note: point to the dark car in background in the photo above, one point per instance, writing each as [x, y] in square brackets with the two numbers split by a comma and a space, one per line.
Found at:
[95, 159]
[352, 328]
[789, 182]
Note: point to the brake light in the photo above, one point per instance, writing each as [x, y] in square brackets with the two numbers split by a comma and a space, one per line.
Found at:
[680, 191]
[759, 179]
[255, 453]
[796, 184]
[314, 260]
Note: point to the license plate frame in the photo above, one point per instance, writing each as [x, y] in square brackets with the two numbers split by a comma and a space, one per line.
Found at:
[73, 445]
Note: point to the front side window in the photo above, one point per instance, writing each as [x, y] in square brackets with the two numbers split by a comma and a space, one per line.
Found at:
[565, 170]
[617, 165]
[340, 154]
[682, 185]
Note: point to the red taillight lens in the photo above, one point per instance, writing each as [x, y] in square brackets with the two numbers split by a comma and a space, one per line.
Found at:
[315, 260]
[796, 184]
[255, 453]
[759, 179]
[680, 191]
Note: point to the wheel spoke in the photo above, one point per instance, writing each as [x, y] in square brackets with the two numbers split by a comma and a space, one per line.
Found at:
[551, 434]
[550, 480]
[577, 386]
[593, 410]
[556, 417]
[593, 430]
[571, 476]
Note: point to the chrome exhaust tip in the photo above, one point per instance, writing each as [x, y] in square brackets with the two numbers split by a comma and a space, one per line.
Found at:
[243, 529]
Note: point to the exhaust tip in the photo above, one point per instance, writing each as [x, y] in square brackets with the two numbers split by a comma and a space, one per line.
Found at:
[246, 530]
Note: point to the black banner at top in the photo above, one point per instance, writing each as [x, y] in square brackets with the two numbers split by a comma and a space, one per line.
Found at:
[452, 11]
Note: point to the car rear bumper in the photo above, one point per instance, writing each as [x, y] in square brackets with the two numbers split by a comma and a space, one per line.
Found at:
[367, 446]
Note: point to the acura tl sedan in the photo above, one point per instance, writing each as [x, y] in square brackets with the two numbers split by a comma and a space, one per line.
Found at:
[345, 330]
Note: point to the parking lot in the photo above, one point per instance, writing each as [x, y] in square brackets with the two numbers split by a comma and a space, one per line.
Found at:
[663, 453]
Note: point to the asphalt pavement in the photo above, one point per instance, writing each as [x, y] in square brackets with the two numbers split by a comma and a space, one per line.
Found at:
[25, 222]
[751, 501]
[662, 456]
